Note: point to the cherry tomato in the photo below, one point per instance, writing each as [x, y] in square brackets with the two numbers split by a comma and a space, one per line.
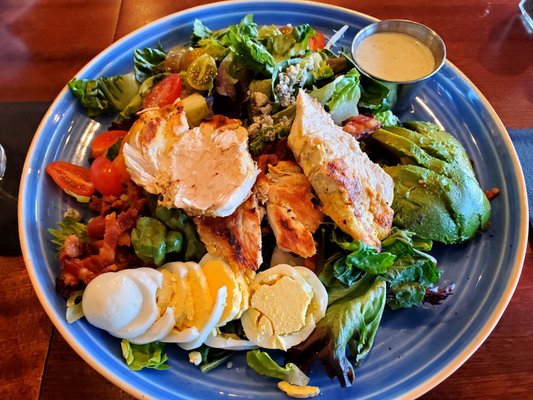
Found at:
[164, 92]
[105, 177]
[71, 178]
[104, 141]
[317, 42]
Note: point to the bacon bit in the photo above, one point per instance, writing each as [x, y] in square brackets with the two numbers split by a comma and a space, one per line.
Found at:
[133, 198]
[124, 239]
[96, 227]
[110, 268]
[110, 245]
[361, 126]
[492, 193]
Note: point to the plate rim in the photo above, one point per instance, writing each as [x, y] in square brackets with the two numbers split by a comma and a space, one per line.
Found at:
[429, 383]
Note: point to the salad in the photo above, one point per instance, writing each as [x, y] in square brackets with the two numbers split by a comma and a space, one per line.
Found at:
[256, 192]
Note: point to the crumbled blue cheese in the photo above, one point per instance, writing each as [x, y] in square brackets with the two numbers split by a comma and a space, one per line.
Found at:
[264, 125]
[260, 100]
[292, 78]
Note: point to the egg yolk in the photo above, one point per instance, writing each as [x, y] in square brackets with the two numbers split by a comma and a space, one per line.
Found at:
[285, 316]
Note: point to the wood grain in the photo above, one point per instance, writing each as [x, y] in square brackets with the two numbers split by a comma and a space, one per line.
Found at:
[24, 333]
[43, 44]
[58, 384]
[502, 366]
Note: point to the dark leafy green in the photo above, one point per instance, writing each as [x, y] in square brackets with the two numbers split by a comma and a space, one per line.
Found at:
[402, 263]
[362, 258]
[413, 272]
[360, 281]
[350, 323]
[212, 357]
[148, 62]
[377, 96]
[199, 32]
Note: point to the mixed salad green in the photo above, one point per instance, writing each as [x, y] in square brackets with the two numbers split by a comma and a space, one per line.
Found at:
[254, 73]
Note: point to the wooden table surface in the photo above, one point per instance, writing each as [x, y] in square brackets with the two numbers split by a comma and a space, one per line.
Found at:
[43, 43]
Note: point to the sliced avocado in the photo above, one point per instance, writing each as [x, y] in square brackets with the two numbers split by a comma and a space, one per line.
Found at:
[436, 193]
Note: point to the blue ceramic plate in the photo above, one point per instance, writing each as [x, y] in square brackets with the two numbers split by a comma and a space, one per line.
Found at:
[414, 349]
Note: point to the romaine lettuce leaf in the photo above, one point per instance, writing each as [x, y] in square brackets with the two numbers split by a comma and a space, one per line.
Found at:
[136, 103]
[286, 45]
[340, 97]
[241, 39]
[139, 356]
[263, 364]
[105, 94]
[351, 323]
[69, 226]
[387, 118]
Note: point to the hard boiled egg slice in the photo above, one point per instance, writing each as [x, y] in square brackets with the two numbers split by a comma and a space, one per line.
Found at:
[320, 297]
[148, 280]
[243, 280]
[284, 308]
[181, 299]
[111, 301]
[203, 300]
[176, 336]
[222, 341]
[212, 321]
[219, 274]
[159, 330]
[207, 309]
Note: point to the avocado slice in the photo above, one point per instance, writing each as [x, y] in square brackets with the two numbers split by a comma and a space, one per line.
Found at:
[436, 192]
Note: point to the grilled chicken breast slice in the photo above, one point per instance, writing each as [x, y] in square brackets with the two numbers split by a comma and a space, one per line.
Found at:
[354, 191]
[206, 170]
[291, 207]
[237, 237]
